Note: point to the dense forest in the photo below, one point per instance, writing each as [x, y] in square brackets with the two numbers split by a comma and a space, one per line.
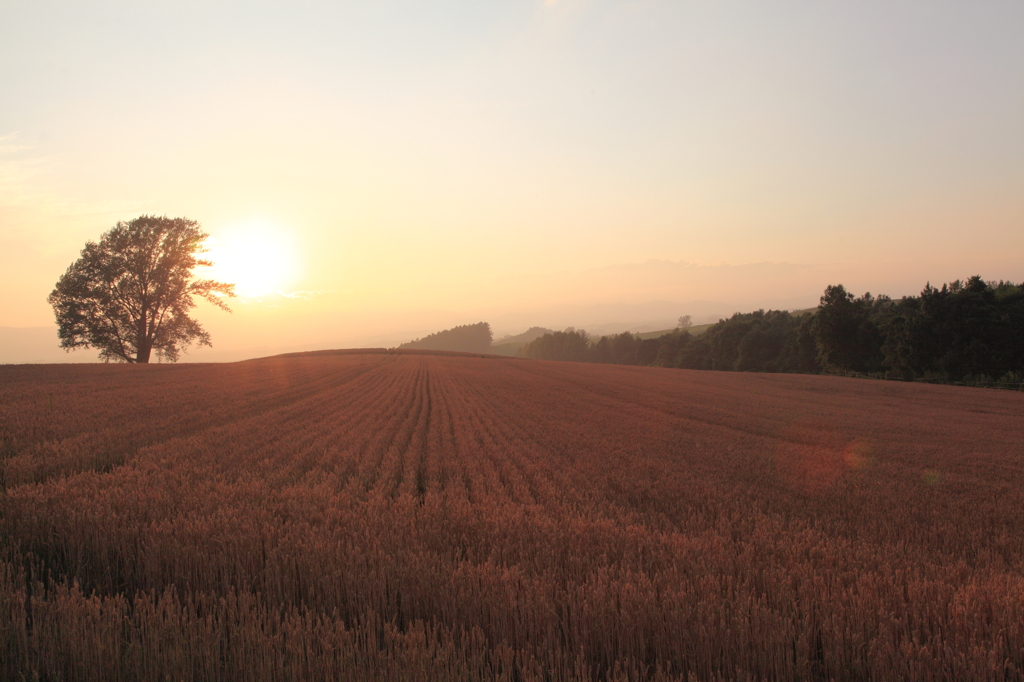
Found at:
[969, 331]
[467, 338]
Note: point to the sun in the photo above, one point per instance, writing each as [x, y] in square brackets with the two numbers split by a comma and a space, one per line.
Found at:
[257, 257]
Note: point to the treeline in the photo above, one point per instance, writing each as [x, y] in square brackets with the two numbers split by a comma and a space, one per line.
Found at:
[969, 331]
[467, 338]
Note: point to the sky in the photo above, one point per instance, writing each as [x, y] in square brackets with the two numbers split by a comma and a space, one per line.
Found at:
[370, 172]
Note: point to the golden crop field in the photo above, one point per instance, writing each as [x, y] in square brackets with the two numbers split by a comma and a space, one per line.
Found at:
[417, 516]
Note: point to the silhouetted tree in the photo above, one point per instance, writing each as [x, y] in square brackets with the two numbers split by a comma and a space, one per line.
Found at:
[762, 348]
[772, 341]
[801, 350]
[963, 329]
[969, 330]
[571, 345]
[466, 338]
[618, 349]
[845, 334]
[130, 294]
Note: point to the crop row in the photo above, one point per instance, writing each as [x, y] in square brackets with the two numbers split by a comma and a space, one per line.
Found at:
[414, 516]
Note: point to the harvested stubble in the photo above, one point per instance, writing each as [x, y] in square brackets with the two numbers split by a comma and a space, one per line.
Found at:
[410, 516]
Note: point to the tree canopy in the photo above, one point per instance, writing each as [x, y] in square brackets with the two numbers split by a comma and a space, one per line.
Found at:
[467, 338]
[130, 294]
[962, 332]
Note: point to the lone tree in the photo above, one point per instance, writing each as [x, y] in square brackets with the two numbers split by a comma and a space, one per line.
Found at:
[130, 294]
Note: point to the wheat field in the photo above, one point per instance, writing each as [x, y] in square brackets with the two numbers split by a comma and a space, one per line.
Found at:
[430, 516]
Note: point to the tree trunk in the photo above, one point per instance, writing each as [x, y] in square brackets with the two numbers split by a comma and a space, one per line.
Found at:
[143, 344]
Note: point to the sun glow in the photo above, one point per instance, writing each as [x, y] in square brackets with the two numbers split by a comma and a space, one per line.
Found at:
[257, 257]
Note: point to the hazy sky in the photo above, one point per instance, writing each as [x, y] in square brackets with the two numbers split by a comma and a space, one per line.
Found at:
[414, 164]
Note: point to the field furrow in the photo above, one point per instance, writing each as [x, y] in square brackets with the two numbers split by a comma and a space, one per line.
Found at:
[408, 515]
